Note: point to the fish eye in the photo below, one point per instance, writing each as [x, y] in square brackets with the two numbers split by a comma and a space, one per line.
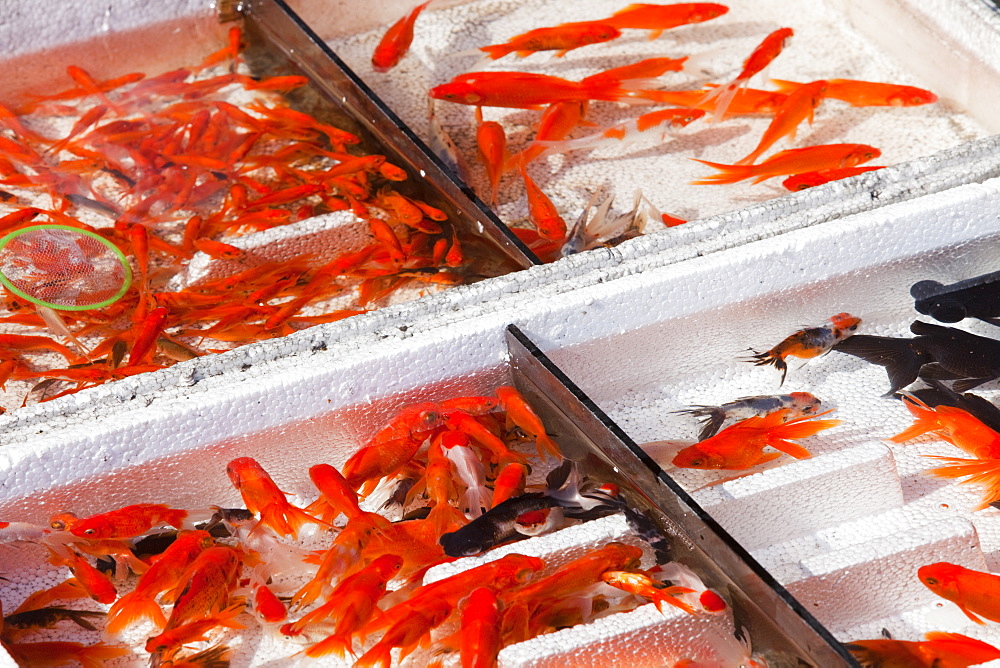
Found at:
[697, 462]
[931, 581]
[89, 532]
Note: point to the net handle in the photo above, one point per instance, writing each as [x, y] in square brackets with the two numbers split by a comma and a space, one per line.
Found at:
[126, 282]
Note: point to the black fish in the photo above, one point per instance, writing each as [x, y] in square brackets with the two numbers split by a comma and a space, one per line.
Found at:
[936, 353]
[499, 524]
[977, 297]
[47, 618]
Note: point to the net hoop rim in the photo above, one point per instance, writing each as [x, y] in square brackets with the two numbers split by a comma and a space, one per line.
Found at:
[126, 282]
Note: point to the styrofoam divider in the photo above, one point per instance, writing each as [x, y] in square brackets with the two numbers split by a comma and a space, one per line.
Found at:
[642, 638]
[878, 579]
[803, 496]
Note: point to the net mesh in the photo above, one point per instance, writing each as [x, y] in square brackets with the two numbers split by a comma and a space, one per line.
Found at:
[62, 267]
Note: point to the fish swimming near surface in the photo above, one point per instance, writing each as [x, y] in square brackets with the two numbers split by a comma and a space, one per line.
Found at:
[937, 353]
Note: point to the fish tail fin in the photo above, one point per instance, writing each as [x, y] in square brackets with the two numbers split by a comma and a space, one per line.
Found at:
[546, 446]
[311, 591]
[497, 51]
[378, 655]
[728, 173]
[131, 608]
[95, 656]
[902, 361]
[286, 519]
[785, 87]
[752, 157]
[216, 656]
[926, 419]
[176, 518]
[446, 518]
[668, 595]
[339, 644]
[984, 472]
[713, 416]
[725, 95]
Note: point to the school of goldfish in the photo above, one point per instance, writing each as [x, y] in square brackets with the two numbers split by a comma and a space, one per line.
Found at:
[186, 162]
[564, 105]
[447, 479]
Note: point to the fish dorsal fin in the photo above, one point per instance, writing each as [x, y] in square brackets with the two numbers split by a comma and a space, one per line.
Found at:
[921, 328]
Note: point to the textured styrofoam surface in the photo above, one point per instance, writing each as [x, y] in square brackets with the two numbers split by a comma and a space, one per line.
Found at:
[826, 45]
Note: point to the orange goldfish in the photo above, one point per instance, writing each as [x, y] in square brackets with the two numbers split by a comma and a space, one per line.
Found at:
[951, 424]
[642, 585]
[797, 107]
[819, 177]
[939, 650]
[336, 496]
[406, 633]
[975, 592]
[509, 483]
[128, 521]
[492, 144]
[522, 90]
[562, 38]
[520, 413]
[557, 121]
[208, 582]
[162, 576]
[741, 446]
[96, 583]
[761, 57]
[441, 489]
[262, 497]
[480, 632]
[650, 68]
[868, 93]
[268, 606]
[354, 599]
[657, 18]
[396, 41]
[793, 161]
[575, 575]
[808, 343]
[542, 212]
[654, 124]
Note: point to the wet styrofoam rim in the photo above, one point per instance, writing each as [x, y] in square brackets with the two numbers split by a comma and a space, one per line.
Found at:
[126, 281]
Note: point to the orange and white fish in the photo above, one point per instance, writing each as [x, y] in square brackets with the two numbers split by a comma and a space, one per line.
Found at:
[741, 446]
[562, 38]
[939, 650]
[657, 18]
[975, 592]
[653, 125]
[800, 105]
[792, 161]
[262, 497]
[701, 598]
[640, 584]
[808, 343]
[396, 41]
[868, 93]
[761, 57]
[812, 179]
